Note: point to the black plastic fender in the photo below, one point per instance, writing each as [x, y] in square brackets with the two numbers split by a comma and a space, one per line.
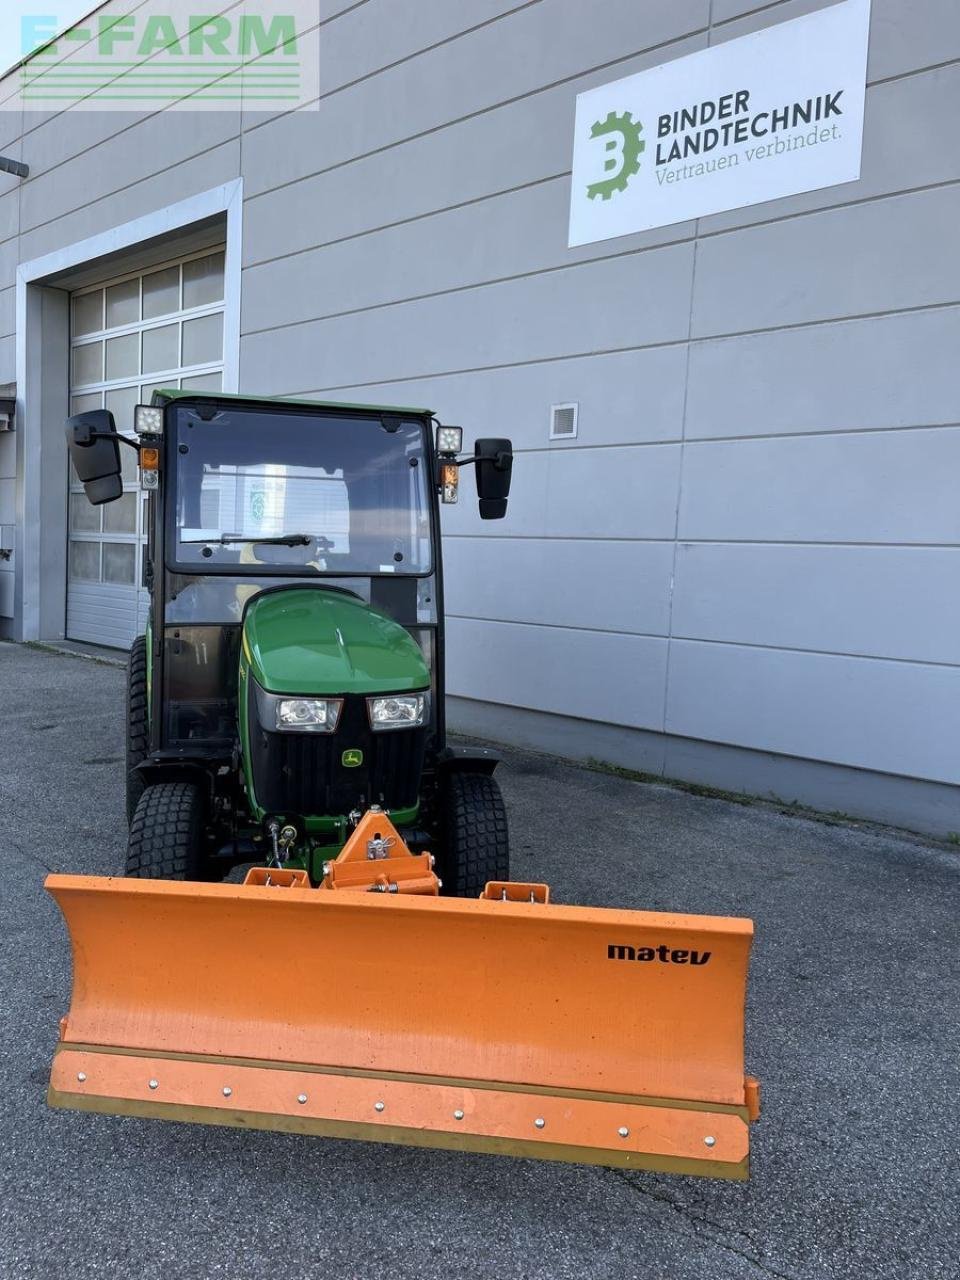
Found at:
[468, 760]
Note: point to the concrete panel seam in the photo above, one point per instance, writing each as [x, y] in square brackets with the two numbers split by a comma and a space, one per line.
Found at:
[309, 31]
[552, 537]
[401, 222]
[570, 447]
[562, 626]
[819, 781]
[671, 592]
[235, 140]
[557, 537]
[843, 655]
[747, 13]
[418, 53]
[795, 433]
[506, 102]
[916, 71]
[645, 346]
[697, 238]
[871, 84]
[319, 392]
[476, 285]
[804, 542]
[342, 13]
[842, 206]
[827, 320]
[492, 195]
[811, 433]
[473, 115]
[103, 195]
[566, 538]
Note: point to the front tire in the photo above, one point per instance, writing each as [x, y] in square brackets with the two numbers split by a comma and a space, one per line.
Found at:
[166, 832]
[477, 846]
[138, 728]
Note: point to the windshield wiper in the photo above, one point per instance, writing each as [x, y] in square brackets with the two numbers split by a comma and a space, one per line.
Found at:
[278, 540]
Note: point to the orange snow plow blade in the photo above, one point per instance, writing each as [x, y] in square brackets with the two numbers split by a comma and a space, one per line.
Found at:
[519, 1027]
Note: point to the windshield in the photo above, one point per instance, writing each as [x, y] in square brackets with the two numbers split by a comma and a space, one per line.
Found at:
[301, 492]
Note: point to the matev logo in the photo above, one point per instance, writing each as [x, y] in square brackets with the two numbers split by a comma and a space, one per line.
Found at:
[663, 953]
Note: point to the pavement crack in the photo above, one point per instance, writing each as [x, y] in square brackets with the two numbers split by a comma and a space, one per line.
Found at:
[19, 850]
[623, 1176]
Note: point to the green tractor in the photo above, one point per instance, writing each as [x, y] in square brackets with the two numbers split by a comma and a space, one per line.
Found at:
[292, 674]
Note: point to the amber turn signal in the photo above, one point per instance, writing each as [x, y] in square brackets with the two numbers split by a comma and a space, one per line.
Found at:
[450, 481]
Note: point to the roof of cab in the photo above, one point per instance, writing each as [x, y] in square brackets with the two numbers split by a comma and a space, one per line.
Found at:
[165, 395]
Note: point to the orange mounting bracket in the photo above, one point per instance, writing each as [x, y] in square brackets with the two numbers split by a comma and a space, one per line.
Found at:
[376, 860]
[279, 877]
[515, 891]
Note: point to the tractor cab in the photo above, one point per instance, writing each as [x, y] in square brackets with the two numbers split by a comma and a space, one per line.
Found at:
[291, 675]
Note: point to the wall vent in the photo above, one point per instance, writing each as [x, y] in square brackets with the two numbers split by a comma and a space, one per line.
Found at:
[563, 421]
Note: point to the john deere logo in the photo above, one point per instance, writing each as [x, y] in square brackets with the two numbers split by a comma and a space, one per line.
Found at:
[352, 758]
[624, 147]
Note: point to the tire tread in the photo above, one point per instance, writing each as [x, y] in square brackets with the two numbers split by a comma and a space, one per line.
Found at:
[477, 840]
[138, 728]
[164, 839]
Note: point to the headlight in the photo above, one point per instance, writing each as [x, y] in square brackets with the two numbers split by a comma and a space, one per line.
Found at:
[399, 711]
[309, 715]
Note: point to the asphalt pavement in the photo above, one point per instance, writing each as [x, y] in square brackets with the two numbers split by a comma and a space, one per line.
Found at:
[852, 1026]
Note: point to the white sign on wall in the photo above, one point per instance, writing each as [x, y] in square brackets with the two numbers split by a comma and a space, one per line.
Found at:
[767, 115]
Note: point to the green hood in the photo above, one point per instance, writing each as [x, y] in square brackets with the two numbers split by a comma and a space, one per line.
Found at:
[313, 641]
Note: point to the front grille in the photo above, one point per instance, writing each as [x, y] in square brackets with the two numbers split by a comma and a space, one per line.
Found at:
[302, 773]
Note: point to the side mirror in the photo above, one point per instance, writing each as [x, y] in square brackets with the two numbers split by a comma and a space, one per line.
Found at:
[95, 454]
[494, 472]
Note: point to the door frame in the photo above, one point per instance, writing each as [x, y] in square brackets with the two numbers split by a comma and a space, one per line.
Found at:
[43, 348]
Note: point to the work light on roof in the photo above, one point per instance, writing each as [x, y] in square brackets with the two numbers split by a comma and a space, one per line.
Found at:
[449, 439]
[147, 421]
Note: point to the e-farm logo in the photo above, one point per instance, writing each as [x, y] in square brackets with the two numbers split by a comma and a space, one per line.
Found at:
[624, 147]
[261, 54]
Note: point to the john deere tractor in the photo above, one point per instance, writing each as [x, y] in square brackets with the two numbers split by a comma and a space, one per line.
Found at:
[285, 713]
[291, 677]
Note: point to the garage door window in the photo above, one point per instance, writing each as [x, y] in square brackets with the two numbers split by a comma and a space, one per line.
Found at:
[162, 328]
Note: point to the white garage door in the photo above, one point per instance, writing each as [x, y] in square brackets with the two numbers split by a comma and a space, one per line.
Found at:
[130, 336]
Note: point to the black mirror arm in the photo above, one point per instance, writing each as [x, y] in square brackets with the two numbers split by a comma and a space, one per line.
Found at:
[501, 461]
[84, 436]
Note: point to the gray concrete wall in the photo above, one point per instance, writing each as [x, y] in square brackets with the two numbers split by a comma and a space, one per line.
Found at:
[753, 542]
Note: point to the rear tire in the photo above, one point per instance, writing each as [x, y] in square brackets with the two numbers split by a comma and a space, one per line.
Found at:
[138, 728]
[477, 846]
[166, 832]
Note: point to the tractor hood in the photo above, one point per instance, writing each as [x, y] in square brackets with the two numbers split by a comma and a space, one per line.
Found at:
[313, 640]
